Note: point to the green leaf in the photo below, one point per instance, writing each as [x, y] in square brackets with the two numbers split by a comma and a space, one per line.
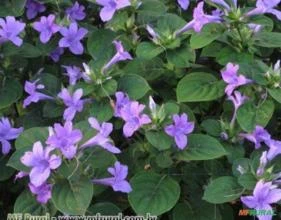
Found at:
[199, 87]
[208, 34]
[12, 8]
[169, 23]
[181, 57]
[223, 189]
[30, 136]
[52, 110]
[153, 193]
[26, 203]
[150, 10]
[212, 127]
[10, 93]
[72, 197]
[148, 50]
[26, 50]
[134, 85]
[101, 110]
[159, 139]
[201, 147]
[182, 212]
[249, 115]
[100, 45]
[276, 94]
[248, 181]
[268, 39]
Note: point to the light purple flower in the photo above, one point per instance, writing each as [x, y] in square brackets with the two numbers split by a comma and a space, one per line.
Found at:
[265, 194]
[231, 77]
[155, 36]
[41, 163]
[65, 139]
[8, 133]
[34, 8]
[120, 55]
[34, 96]
[72, 37]
[122, 99]
[55, 54]
[43, 193]
[200, 19]
[255, 27]
[133, 117]
[76, 12]
[46, 27]
[110, 7]
[266, 6]
[74, 73]
[263, 163]
[237, 99]
[20, 175]
[258, 136]
[180, 129]
[10, 29]
[118, 182]
[73, 102]
[102, 137]
[184, 4]
[274, 148]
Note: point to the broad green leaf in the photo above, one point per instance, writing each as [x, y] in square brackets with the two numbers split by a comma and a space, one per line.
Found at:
[199, 87]
[248, 181]
[134, 85]
[268, 39]
[181, 57]
[223, 189]
[208, 34]
[276, 94]
[249, 115]
[201, 147]
[26, 204]
[100, 44]
[10, 93]
[159, 139]
[102, 110]
[153, 193]
[73, 197]
[212, 127]
[12, 8]
[148, 50]
[150, 10]
[6, 172]
[30, 136]
[183, 212]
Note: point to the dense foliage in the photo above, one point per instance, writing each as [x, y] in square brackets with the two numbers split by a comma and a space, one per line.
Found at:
[165, 107]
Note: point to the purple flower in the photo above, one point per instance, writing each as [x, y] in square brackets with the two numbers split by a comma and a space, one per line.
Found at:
[8, 133]
[72, 37]
[259, 135]
[34, 8]
[237, 99]
[184, 4]
[46, 27]
[65, 139]
[255, 27]
[118, 182]
[20, 175]
[133, 117]
[74, 103]
[41, 163]
[265, 193]
[180, 129]
[122, 99]
[199, 20]
[34, 96]
[55, 54]
[10, 29]
[230, 76]
[263, 163]
[120, 55]
[102, 137]
[274, 148]
[110, 7]
[43, 193]
[74, 73]
[266, 6]
[76, 12]
[155, 36]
